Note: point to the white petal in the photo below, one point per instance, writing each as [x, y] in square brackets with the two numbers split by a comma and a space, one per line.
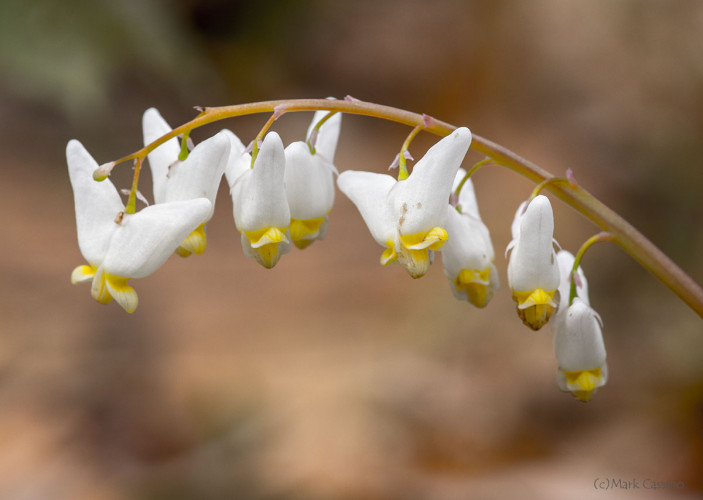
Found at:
[199, 175]
[160, 159]
[328, 135]
[146, 239]
[97, 204]
[533, 261]
[309, 183]
[259, 195]
[467, 196]
[578, 343]
[239, 161]
[421, 199]
[369, 191]
[565, 260]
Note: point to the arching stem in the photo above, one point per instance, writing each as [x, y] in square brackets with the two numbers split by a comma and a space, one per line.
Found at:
[623, 233]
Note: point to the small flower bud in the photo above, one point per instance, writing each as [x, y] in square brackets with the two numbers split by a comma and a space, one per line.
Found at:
[103, 171]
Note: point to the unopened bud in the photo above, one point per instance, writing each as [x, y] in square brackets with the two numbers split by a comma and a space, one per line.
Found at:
[103, 171]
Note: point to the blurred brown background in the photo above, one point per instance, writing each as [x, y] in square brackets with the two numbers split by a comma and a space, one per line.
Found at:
[330, 377]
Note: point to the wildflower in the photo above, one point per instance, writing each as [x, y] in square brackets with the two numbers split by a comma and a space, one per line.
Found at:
[259, 201]
[119, 246]
[309, 180]
[468, 253]
[407, 216]
[580, 351]
[198, 176]
[533, 272]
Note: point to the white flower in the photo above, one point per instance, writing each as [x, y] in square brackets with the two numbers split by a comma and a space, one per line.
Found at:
[119, 246]
[259, 202]
[580, 351]
[468, 255]
[533, 272]
[309, 180]
[407, 216]
[198, 176]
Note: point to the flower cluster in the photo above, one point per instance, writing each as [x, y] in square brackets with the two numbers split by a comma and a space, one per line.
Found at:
[541, 280]
[284, 194]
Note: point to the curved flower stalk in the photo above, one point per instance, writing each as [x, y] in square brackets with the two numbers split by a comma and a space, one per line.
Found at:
[309, 180]
[407, 216]
[533, 272]
[117, 245]
[259, 202]
[468, 255]
[580, 351]
[198, 176]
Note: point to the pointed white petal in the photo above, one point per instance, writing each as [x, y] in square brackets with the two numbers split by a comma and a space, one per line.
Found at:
[146, 239]
[533, 263]
[565, 260]
[328, 135]
[421, 200]
[467, 196]
[259, 195]
[309, 183]
[369, 191]
[97, 204]
[160, 159]
[199, 175]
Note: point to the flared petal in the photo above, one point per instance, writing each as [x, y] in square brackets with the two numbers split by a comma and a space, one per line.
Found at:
[199, 175]
[161, 158]
[258, 194]
[123, 294]
[421, 200]
[369, 192]
[97, 204]
[81, 274]
[143, 241]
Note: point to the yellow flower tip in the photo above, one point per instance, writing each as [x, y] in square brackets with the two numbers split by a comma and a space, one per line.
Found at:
[182, 252]
[535, 307]
[417, 262]
[389, 255]
[268, 255]
[304, 232]
[195, 243]
[265, 244]
[583, 383]
[266, 236]
[82, 274]
[475, 284]
[432, 239]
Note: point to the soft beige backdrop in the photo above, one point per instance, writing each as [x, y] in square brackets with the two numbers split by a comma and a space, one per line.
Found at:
[330, 377]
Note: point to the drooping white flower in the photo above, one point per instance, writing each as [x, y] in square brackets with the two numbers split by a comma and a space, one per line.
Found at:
[468, 255]
[407, 216]
[533, 272]
[198, 176]
[117, 245]
[259, 202]
[580, 351]
[309, 180]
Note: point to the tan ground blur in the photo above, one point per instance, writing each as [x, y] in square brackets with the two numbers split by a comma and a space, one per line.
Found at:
[330, 377]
